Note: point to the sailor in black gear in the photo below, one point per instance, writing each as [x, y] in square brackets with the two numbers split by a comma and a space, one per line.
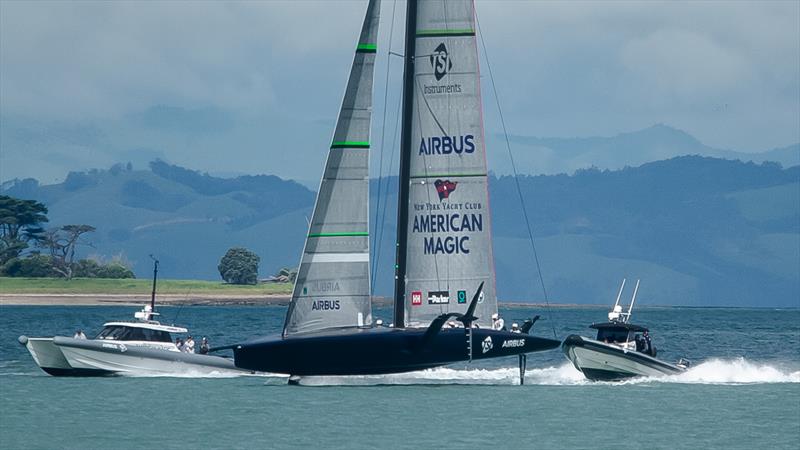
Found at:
[648, 344]
[640, 343]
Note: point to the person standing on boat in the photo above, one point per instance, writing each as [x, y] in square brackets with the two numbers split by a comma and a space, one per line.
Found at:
[648, 344]
[79, 335]
[204, 346]
[497, 322]
[641, 345]
[189, 345]
[179, 344]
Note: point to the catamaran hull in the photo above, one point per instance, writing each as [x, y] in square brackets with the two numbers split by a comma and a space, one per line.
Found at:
[50, 359]
[120, 358]
[378, 351]
[599, 361]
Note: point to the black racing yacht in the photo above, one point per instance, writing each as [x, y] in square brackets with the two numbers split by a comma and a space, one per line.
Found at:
[621, 349]
[445, 292]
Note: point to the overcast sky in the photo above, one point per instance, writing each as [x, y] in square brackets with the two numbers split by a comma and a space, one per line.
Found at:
[254, 87]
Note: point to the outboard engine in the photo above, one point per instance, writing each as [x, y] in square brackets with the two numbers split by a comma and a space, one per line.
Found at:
[683, 363]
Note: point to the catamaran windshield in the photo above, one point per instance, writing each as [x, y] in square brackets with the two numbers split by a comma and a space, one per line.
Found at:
[120, 333]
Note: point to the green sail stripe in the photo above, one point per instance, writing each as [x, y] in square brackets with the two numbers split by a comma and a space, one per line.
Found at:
[367, 48]
[355, 233]
[448, 175]
[350, 144]
[446, 33]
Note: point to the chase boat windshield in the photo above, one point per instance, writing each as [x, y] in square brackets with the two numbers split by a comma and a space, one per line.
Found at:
[132, 331]
[617, 332]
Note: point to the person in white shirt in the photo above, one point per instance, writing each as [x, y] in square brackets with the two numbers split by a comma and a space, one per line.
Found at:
[188, 347]
[497, 322]
[79, 335]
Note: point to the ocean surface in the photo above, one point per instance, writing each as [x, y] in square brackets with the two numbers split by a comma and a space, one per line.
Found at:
[743, 391]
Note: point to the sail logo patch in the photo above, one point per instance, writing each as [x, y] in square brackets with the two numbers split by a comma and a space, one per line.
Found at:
[440, 61]
[487, 345]
[325, 305]
[442, 64]
[438, 297]
[444, 188]
[462, 297]
[450, 224]
[325, 286]
[447, 145]
[416, 298]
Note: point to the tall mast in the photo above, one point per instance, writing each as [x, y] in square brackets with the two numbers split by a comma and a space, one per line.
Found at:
[405, 166]
[155, 278]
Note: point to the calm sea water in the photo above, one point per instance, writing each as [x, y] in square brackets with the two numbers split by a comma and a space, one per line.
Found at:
[743, 391]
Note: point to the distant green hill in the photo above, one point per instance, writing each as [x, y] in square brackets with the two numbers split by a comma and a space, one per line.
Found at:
[696, 230]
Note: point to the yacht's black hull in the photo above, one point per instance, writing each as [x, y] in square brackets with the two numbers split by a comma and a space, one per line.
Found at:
[375, 351]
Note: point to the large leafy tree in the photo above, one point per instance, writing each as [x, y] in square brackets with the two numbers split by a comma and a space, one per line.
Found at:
[239, 266]
[20, 223]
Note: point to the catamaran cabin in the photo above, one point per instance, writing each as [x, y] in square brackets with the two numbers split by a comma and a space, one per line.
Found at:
[134, 331]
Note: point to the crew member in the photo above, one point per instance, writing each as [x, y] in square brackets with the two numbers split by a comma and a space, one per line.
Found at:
[79, 335]
[497, 322]
[648, 345]
[204, 346]
[188, 347]
[515, 328]
[640, 344]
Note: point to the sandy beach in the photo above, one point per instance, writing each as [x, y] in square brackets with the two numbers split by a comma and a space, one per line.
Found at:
[136, 299]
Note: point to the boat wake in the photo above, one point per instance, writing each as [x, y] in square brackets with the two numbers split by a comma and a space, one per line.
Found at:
[736, 371]
[715, 371]
[203, 374]
[497, 377]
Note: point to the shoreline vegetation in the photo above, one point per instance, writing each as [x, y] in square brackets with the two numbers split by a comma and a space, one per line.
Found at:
[105, 291]
[130, 292]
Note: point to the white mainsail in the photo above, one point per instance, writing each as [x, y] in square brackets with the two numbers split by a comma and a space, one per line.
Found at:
[449, 249]
[332, 288]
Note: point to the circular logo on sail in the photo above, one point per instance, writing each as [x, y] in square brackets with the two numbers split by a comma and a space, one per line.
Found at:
[440, 61]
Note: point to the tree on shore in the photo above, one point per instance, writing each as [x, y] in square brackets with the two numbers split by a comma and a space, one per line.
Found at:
[20, 224]
[61, 242]
[239, 266]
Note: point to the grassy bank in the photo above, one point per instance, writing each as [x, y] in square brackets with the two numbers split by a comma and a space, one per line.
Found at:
[101, 286]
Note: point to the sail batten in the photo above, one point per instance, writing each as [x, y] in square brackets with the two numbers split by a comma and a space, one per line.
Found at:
[332, 286]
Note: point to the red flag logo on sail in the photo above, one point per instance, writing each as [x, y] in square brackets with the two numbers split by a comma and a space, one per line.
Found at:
[444, 188]
[416, 298]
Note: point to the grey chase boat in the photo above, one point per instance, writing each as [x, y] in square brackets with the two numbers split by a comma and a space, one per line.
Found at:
[621, 350]
[141, 346]
[444, 250]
